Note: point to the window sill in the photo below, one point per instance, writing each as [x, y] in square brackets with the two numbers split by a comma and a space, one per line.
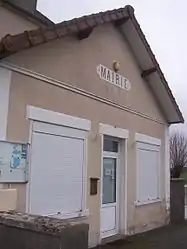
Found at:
[141, 203]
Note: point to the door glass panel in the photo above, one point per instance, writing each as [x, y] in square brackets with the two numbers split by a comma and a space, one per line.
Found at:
[109, 180]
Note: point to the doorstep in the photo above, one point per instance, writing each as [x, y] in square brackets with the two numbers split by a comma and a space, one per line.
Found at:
[113, 238]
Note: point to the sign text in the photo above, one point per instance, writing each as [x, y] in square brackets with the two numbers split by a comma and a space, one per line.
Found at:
[113, 77]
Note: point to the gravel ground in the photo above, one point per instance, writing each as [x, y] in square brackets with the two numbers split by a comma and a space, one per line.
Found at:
[169, 237]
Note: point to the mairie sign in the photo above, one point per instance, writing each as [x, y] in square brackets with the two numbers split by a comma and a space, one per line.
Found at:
[113, 77]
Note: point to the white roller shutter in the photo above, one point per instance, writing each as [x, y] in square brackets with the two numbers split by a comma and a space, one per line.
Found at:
[56, 172]
[148, 172]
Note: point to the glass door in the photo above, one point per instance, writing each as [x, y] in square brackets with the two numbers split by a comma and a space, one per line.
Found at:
[109, 182]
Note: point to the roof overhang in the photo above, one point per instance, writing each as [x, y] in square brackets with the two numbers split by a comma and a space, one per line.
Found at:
[151, 71]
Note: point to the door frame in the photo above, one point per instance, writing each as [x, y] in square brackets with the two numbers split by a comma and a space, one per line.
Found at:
[122, 135]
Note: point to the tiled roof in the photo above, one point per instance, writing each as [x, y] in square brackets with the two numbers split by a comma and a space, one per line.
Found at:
[83, 25]
[11, 44]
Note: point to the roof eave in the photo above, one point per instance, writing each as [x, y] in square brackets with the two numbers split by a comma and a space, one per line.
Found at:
[125, 19]
[147, 61]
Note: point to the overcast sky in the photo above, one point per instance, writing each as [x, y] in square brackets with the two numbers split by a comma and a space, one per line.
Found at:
[163, 22]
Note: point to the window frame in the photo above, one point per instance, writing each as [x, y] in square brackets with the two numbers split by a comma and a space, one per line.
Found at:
[147, 143]
[47, 120]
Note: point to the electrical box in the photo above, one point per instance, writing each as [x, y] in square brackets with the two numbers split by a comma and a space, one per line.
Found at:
[13, 162]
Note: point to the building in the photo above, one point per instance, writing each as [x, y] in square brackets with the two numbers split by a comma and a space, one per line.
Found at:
[91, 102]
[20, 15]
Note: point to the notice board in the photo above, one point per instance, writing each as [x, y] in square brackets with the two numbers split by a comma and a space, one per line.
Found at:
[13, 162]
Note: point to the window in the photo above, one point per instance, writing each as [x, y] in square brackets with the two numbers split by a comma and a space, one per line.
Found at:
[110, 144]
[148, 170]
[110, 155]
[61, 164]
[109, 180]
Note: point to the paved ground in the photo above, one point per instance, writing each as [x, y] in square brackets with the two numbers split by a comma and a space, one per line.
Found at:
[170, 237]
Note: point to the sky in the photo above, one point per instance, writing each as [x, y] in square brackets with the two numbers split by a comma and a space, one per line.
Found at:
[163, 22]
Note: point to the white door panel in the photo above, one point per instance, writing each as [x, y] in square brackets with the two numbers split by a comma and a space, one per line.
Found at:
[108, 218]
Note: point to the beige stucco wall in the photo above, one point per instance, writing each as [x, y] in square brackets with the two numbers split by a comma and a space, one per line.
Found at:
[12, 23]
[26, 90]
[8, 199]
[74, 62]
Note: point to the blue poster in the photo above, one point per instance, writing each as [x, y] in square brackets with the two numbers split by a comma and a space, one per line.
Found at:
[19, 155]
